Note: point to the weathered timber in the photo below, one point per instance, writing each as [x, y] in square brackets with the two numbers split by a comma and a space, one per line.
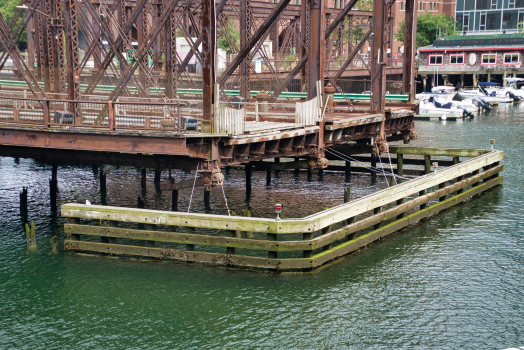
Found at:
[308, 243]
[281, 264]
[308, 224]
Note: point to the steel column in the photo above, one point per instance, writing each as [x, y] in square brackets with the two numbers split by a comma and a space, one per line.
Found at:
[208, 62]
[378, 54]
[317, 49]
[408, 76]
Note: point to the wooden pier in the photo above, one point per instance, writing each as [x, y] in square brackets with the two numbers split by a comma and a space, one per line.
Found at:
[300, 244]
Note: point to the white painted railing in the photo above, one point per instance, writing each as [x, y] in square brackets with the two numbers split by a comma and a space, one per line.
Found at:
[230, 121]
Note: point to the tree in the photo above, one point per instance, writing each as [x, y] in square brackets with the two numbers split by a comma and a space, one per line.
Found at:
[427, 28]
[7, 9]
[234, 35]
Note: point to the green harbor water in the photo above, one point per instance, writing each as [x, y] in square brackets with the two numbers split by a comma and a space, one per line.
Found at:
[455, 281]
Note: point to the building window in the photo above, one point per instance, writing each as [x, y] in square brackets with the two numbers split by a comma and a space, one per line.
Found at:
[456, 59]
[482, 24]
[511, 58]
[401, 6]
[493, 4]
[465, 23]
[511, 4]
[430, 6]
[489, 58]
[435, 60]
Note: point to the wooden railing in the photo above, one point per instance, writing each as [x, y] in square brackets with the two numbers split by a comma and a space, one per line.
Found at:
[290, 244]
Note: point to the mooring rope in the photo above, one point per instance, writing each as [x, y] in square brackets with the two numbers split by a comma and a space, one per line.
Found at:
[193, 190]
[348, 158]
[227, 207]
[382, 166]
[391, 166]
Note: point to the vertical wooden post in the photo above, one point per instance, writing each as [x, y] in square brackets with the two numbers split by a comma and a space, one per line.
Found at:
[73, 236]
[476, 172]
[231, 250]
[143, 179]
[53, 185]
[400, 164]
[248, 170]
[149, 227]
[272, 254]
[401, 215]
[307, 236]
[374, 165]
[190, 247]
[207, 193]
[268, 174]
[347, 194]
[23, 204]
[494, 175]
[427, 164]
[422, 193]
[174, 200]
[348, 170]
[158, 174]
[103, 187]
[30, 235]
[442, 198]
[377, 211]
[112, 240]
[297, 168]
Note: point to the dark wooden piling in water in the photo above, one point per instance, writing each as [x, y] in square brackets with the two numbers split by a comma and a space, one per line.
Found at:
[373, 166]
[347, 170]
[158, 175]
[249, 174]
[400, 164]
[53, 187]
[23, 204]
[174, 200]
[103, 186]
[143, 177]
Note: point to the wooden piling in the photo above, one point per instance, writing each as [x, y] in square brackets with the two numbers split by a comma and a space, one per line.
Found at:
[375, 212]
[400, 164]
[174, 200]
[347, 170]
[422, 193]
[297, 169]
[268, 174]
[207, 194]
[149, 227]
[103, 187]
[31, 235]
[158, 174]
[347, 194]
[427, 164]
[249, 174]
[143, 178]
[190, 247]
[443, 198]
[140, 203]
[373, 166]
[23, 204]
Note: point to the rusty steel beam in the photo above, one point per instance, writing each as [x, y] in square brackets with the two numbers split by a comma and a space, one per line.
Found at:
[244, 51]
[378, 55]
[340, 17]
[352, 55]
[288, 78]
[410, 37]
[118, 42]
[245, 31]
[208, 63]
[185, 62]
[317, 49]
[17, 33]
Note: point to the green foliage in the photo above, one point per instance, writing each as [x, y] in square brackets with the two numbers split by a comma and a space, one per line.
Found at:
[234, 34]
[427, 27]
[7, 9]
[360, 24]
[519, 27]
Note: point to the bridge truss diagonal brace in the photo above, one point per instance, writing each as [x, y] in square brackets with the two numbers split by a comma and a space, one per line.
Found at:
[244, 51]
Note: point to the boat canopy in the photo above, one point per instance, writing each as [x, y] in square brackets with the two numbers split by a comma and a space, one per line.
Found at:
[488, 84]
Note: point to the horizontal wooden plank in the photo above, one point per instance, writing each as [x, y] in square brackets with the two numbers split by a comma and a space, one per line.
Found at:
[429, 151]
[308, 224]
[362, 241]
[195, 256]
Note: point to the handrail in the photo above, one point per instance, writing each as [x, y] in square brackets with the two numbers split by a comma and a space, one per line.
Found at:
[309, 223]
